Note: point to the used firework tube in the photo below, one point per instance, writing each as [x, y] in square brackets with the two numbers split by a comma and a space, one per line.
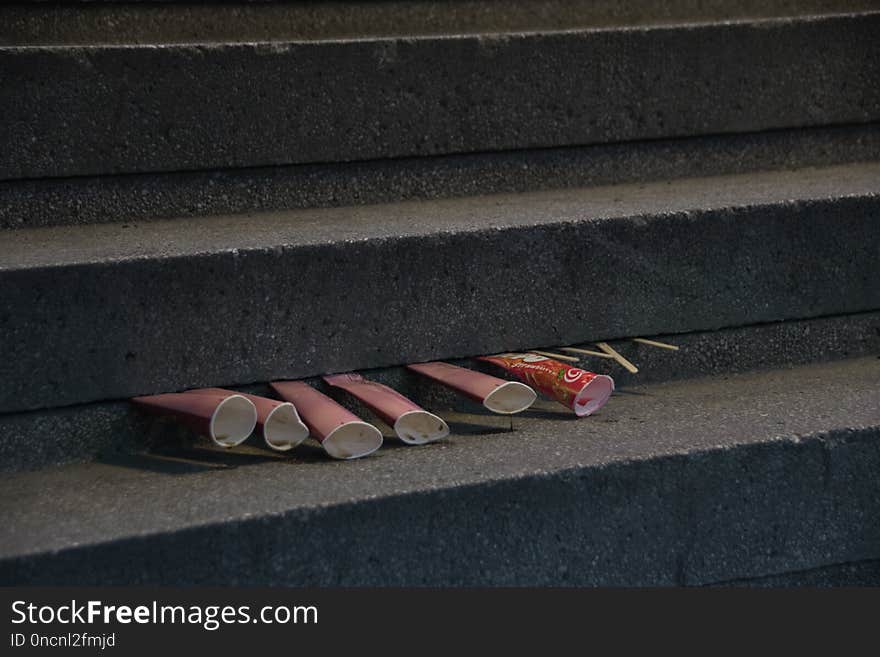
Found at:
[581, 391]
[282, 429]
[342, 434]
[498, 395]
[226, 418]
[412, 424]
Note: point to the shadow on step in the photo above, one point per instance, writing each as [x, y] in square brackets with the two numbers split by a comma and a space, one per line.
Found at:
[187, 460]
[194, 458]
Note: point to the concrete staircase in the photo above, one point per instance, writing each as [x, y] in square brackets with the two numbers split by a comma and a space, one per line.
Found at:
[226, 194]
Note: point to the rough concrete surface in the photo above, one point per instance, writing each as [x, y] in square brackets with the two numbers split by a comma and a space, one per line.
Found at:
[860, 573]
[42, 23]
[110, 430]
[109, 311]
[127, 109]
[140, 197]
[693, 482]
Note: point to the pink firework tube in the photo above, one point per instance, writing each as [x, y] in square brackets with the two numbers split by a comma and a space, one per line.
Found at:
[282, 429]
[342, 434]
[226, 418]
[581, 391]
[412, 424]
[498, 395]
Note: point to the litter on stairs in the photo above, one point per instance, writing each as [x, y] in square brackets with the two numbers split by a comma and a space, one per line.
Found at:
[228, 417]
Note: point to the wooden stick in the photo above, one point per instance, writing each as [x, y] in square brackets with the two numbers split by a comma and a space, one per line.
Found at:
[607, 348]
[587, 352]
[654, 343]
[549, 354]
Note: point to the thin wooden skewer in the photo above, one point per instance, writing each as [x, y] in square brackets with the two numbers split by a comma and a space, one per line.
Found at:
[654, 343]
[604, 346]
[552, 355]
[597, 354]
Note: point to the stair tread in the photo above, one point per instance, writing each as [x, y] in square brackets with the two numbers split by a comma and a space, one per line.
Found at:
[104, 430]
[142, 197]
[110, 311]
[72, 507]
[89, 244]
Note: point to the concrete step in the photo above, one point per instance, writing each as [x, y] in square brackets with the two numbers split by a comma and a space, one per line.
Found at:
[166, 22]
[109, 311]
[726, 478]
[143, 197]
[107, 431]
[108, 109]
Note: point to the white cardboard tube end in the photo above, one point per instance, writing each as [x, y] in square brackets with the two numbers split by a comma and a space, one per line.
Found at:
[420, 427]
[352, 440]
[233, 421]
[283, 429]
[509, 398]
[593, 395]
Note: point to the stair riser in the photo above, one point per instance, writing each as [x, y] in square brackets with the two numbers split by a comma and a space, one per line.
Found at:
[102, 331]
[35, 23]
[109, 430]
[142, 197]
[100, 110]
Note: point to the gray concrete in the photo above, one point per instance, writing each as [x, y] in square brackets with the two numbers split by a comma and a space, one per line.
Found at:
[862, 573]
[118, 109]
[109, 311]
[140, 197]
[110, 430]
[37, 439]
[694, 482]
[45, 23]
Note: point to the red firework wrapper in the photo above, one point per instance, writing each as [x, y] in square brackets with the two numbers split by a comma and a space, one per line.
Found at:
[581, 391]
[279, 421]
[498, 395]
[412, 423]
[226, 418]
[342, 434]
